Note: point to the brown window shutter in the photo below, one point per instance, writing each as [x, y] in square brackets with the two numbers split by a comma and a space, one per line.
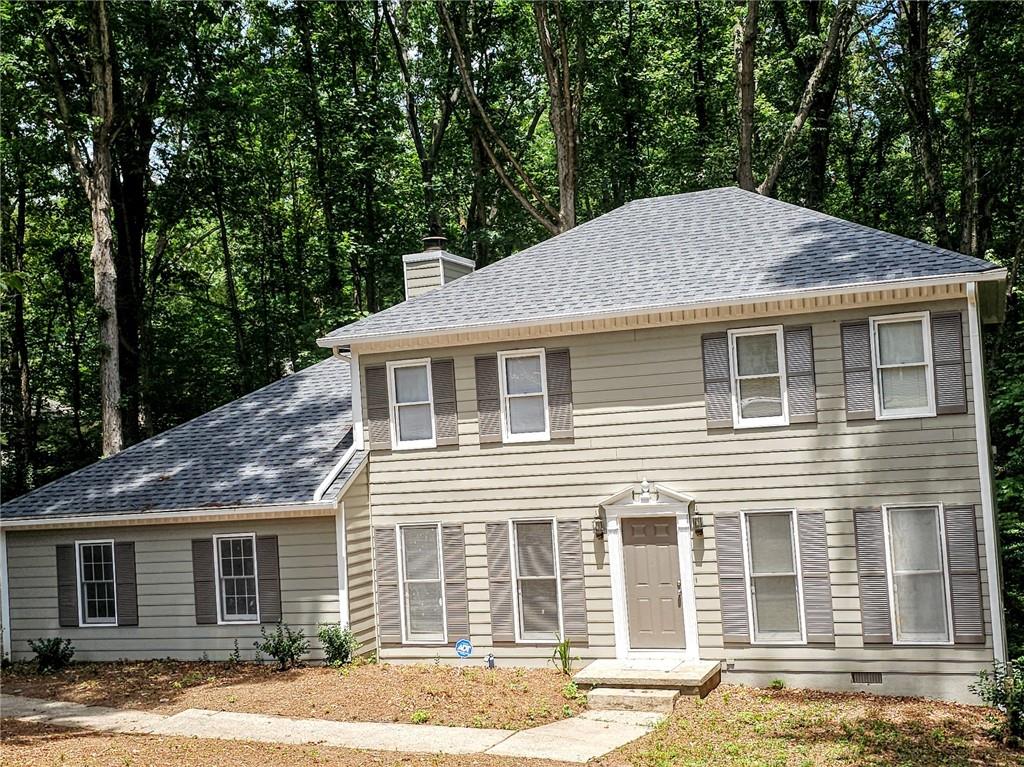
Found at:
[876, 620]
[456, 597]
[499, 576]
[815, 580]
[67, 585]
[488, 398]
[378, 411]
[858, 378]
[948, 359]
[385, 555]
[717, 385]
[204, 584]
[570, 571]
[801, 394]
[559, 378]
[268, 569]
[964, 574]
[446, 415]
[126, 588]
[732, 583]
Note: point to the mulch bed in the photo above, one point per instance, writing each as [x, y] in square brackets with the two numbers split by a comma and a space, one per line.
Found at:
[29, 744]
[435, 694]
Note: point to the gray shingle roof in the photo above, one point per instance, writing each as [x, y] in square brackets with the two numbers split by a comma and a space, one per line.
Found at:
[717, 245]
[273, 446]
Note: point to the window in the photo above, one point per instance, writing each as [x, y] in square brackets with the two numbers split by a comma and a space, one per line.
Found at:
[758, 377]
[96, 581]
[774, 577]
[412, 404]
[919, 591]
[536, 574]
[524, 399]
[901, 348]
[236, 577]
[422, 589]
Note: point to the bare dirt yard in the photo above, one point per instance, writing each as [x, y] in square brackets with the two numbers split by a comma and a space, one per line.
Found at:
[510, 699]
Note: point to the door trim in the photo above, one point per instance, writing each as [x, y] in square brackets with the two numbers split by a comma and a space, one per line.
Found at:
[615, 512]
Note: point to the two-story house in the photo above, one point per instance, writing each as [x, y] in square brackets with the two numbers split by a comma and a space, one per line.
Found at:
[711, 431]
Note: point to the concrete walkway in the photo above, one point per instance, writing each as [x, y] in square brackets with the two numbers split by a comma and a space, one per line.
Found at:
[584, 737]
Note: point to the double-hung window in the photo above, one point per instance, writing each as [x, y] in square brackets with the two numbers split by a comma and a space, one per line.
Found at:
[524, 399]
[535, 559]
[97, 583]
[423, 608]
[773, 572]
[918, 585]
[237, 595]
[412, 404]
[902, 355]
[758, 377]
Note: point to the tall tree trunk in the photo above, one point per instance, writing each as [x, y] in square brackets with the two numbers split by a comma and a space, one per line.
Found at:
[925, 132]
[746, 42]
[67, 265]
[700, 78]
[237, 325]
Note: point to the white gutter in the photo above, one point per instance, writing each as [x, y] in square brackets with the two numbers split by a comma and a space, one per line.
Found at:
[988, 506]
[329, 342]
[333, 473]
[182, 515]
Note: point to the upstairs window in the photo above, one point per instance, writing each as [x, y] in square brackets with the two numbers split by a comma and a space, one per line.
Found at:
[901, 348]
[536, 574]
[423, 592]
[524, 399]
[236, 577]
[758, 369]
[97, 589]
[774, 582]
[412, 404]
[917, 567]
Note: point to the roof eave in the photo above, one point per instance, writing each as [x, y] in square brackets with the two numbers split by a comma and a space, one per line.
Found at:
[990, 275]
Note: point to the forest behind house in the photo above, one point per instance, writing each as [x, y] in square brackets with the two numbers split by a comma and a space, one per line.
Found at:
[192, 192]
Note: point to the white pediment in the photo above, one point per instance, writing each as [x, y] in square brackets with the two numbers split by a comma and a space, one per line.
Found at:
[647, 493]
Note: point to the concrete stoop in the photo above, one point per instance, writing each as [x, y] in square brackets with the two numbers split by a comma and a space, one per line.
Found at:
[652, 685]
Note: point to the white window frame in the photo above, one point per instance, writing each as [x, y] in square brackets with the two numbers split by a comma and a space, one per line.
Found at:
[739, 422]
[506, 430]
[890, 574]
[80, 583]
[881, 413]
[516, 606]
[222, 619]
[749, 578]
[407, 636]
[394, 405]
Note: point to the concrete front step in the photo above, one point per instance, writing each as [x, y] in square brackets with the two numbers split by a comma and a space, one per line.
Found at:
[687, 678]
[632, 699]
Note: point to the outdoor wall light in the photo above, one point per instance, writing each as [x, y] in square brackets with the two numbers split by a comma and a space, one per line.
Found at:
[599, 527]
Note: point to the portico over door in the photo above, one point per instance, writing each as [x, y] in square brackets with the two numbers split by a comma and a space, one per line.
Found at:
[650, 551]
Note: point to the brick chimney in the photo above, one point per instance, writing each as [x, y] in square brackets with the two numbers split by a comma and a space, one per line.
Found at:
[433, 267]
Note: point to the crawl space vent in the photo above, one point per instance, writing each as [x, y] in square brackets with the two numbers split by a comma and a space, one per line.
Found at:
[866, 677]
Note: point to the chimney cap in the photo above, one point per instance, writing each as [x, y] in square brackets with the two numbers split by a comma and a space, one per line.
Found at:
[434, 242]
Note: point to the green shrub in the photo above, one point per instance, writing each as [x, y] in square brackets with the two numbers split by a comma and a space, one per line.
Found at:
[339, 644]
[777, 684]
[562, 656]
[420, 717]
[52, 653]
[1003, 688]
[284, 645]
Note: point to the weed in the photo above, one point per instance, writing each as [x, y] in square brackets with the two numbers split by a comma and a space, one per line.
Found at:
[420, 716]
[567, 711]
[1003, 688]
[235, 657]
[52, 653]
[570, 691]
[777, 684]
[562, 656]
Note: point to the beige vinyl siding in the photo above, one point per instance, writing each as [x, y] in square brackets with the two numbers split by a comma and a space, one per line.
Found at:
[452, 270]
[639, 413]
[362, 619]
[421, 276]
[163, 556]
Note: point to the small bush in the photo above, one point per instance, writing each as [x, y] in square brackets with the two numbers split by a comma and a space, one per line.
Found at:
[562, 656]
[420, 717]
[52, 653]
[1003, 688]
[777, 684]
[339, 644]
[235, 657]
[284, 645]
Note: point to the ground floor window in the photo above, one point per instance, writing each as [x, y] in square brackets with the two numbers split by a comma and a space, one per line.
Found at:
[236, 575]
[920, 596]
[772, 570]
[97, 582]
[536, 574]
[422, 584]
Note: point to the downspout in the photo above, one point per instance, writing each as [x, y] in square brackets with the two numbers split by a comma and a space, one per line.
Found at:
[988, 507]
